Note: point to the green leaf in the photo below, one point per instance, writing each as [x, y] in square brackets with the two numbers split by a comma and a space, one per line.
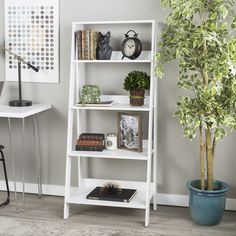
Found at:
[213, 16]
[223, 11]
[234, 86]
[213, 90]
[220, 133]
[233, 25]
[159, 72]
[197, 124]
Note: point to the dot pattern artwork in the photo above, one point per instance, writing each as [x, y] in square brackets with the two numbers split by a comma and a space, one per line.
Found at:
[32, 33]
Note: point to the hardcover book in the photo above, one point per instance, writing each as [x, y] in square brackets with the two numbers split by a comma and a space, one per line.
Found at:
[90, 142]
[83, 45]
[79, 44]
[125, 195]
[89, 148]
[86, 45]
[92, 136]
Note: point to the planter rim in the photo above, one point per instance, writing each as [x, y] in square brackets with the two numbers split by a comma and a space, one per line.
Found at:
[213, 192]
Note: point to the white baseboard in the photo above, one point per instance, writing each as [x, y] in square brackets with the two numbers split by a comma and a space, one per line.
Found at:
[162, 199]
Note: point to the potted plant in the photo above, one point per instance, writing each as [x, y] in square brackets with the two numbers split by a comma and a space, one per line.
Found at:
[200, 35]
[90, 94]
[137, 82]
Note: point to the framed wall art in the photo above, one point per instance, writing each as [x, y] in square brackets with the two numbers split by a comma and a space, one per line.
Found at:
[32, 32]
[130, 132]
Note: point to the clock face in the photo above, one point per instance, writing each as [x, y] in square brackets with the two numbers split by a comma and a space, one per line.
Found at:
[129, 47]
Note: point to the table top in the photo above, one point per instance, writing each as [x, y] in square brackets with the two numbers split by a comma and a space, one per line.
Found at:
[23, 112]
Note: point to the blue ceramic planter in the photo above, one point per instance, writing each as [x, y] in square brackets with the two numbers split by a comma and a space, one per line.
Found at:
[207, 207]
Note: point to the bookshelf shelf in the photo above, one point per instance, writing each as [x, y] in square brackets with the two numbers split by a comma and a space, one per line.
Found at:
[113, 107]
[118, 154]
[116, 56]
[80, 120]
[121, 103]
[138, 202]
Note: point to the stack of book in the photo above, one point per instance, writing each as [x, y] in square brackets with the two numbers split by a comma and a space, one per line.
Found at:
[90, 142]
[86, 41]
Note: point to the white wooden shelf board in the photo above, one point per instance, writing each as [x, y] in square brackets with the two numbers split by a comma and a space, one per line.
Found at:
[114, 22]
[121, 103]
[114, 107]
[117, 154]
[139, 200]
[145, 57]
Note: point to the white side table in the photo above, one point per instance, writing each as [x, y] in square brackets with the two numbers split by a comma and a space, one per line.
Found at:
[22, 113]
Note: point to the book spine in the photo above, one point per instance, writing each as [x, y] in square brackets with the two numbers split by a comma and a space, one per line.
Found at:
[91, 137]
[93, 198]
[91, 49]
[79, 44]
[93, 45]
[90, 142]
[86, 45]
[95, 37]
[83, 45]
[108, 199]
[89, 148]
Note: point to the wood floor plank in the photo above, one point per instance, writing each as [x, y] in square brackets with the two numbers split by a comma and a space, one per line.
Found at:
[166, 221]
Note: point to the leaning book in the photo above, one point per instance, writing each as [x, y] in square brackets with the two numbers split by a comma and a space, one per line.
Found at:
[125, 195]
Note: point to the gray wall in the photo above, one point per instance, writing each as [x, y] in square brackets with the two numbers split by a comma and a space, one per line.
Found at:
[177, 157]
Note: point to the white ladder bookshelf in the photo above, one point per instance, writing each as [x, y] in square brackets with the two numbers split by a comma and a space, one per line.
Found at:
[147, 189]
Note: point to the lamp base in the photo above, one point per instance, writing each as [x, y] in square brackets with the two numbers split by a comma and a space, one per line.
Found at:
[20, 103]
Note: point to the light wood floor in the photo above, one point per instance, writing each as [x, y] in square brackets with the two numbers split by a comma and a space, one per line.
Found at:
[165, 221]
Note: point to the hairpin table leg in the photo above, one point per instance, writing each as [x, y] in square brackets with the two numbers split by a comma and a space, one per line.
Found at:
[37, 153]
[23, 165]
[13, 165]
[6, 179]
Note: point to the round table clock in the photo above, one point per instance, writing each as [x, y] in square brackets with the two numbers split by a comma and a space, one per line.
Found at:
[131, 46]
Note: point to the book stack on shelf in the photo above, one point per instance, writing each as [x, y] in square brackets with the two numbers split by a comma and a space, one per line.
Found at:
[86, 41]
[90, 142]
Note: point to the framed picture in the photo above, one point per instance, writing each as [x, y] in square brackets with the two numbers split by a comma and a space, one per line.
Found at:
[130, 132]
[32, 32]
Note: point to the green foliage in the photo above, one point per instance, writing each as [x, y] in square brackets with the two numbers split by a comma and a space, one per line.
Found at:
[137, 80]
[200, 36]
[90, 94]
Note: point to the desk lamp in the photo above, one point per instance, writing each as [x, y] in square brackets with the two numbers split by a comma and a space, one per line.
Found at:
[20, 102]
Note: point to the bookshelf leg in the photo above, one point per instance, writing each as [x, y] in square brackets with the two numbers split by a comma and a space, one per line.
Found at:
[79, 172]
[67, 187]
[147, 212]
[155, 182]
[155, 201]
[66, 210]
[155, 147]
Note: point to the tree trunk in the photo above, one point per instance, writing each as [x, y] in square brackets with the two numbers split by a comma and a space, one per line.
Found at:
[202, 160]
[209, 160]
[213, 148]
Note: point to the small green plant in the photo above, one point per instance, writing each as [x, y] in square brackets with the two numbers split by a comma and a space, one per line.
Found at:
[137, 80]
[90, 94]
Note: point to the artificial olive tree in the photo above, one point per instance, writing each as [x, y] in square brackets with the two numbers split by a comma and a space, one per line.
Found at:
[200, 35]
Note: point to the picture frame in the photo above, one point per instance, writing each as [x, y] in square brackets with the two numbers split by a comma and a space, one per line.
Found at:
[129, 128]
[32, 31]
